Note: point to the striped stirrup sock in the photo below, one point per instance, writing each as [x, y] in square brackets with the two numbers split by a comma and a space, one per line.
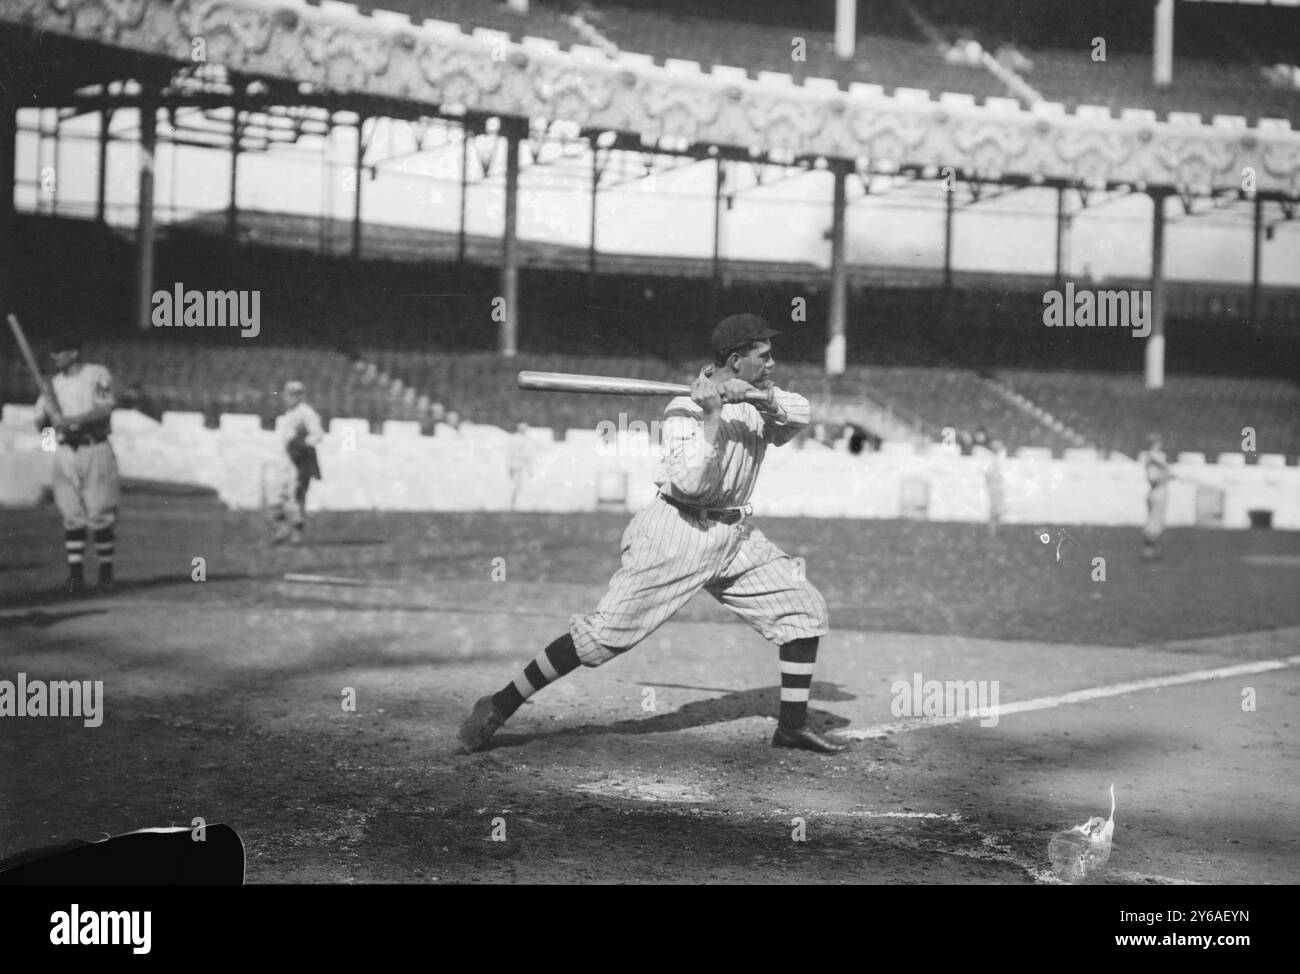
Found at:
[74, 546]
[797, 661]
[105, 545]
[555, 661]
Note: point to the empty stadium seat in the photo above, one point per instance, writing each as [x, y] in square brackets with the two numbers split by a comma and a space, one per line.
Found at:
[889, 61]
[1204, 414]
[539, 20]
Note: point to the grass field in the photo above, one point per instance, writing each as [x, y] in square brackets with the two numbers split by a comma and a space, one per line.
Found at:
[223, 701]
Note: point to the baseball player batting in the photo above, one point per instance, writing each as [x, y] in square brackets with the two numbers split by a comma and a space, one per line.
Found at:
[85, 468]
[696, 535]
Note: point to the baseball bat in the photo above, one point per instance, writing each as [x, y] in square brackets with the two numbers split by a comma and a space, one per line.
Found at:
[42, 383]
[612, 386]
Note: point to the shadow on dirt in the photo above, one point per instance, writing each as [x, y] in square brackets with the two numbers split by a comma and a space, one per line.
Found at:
[24, 566]
[735, 705]
[44, 620]
[56, 595]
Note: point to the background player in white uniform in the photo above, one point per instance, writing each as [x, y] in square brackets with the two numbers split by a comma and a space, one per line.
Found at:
[995, 481]
[519, 462]
[299, 429]
[85, 469]
[1158, 477]
[696, 535]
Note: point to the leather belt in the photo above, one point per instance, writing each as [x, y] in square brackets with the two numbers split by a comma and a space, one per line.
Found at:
[78, 440]
[723, 515]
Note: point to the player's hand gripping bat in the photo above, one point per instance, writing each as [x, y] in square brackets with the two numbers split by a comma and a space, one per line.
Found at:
[42, 383]
[609, 385]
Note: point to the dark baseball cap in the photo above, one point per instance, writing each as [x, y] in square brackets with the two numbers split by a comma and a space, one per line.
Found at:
[68, 342]
[739, 330]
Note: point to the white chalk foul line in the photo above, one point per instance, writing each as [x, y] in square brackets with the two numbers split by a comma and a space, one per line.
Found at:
[334, 580]
[1148, 879]
[944, 816]
[1075, 696]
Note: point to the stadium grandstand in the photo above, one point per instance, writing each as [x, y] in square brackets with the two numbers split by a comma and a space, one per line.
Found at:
[380, 247]
[1034, 264]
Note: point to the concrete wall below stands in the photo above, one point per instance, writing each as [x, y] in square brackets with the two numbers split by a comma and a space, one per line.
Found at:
[470, 469]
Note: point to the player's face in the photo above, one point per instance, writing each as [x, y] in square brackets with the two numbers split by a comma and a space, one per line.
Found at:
[757, 365]
[64, 358]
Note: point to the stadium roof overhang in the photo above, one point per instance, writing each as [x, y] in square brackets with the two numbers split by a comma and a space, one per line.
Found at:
[334, 56]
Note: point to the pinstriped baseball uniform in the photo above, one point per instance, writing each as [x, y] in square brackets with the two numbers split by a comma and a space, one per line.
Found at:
[695, 536]
[670, 554]
[85, 468]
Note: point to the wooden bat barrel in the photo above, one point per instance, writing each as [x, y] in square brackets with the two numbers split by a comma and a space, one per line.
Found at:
[611, 386]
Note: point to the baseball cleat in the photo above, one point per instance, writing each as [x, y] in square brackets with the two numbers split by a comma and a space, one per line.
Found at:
[808, 740]
[483, 721]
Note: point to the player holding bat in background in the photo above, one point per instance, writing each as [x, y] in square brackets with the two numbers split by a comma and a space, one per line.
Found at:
[85, 468]
[696, 535]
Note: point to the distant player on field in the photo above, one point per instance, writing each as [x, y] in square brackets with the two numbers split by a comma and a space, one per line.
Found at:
[299, 429]
[1158, 477]
[85, 468]
[519, 462]
[696, 535]
[995, 481]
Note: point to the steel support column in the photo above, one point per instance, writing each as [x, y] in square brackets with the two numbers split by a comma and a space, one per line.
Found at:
[949, 212]
[718, 185]
[835, 344]
[846, 28]
[101, 175]
[232, 206]
[144, 236]
[1062, 238]
[1257, 244]
[356, 188]
[8, 229]
[1162, 60]
[1155, 344]
[465, 136]
[509, 328]
[595, 196]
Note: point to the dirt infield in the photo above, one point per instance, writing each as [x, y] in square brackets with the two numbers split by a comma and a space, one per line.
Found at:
[223, 700]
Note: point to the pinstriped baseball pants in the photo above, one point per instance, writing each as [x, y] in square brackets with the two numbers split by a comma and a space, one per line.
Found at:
[669, 555]
[85, 486]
